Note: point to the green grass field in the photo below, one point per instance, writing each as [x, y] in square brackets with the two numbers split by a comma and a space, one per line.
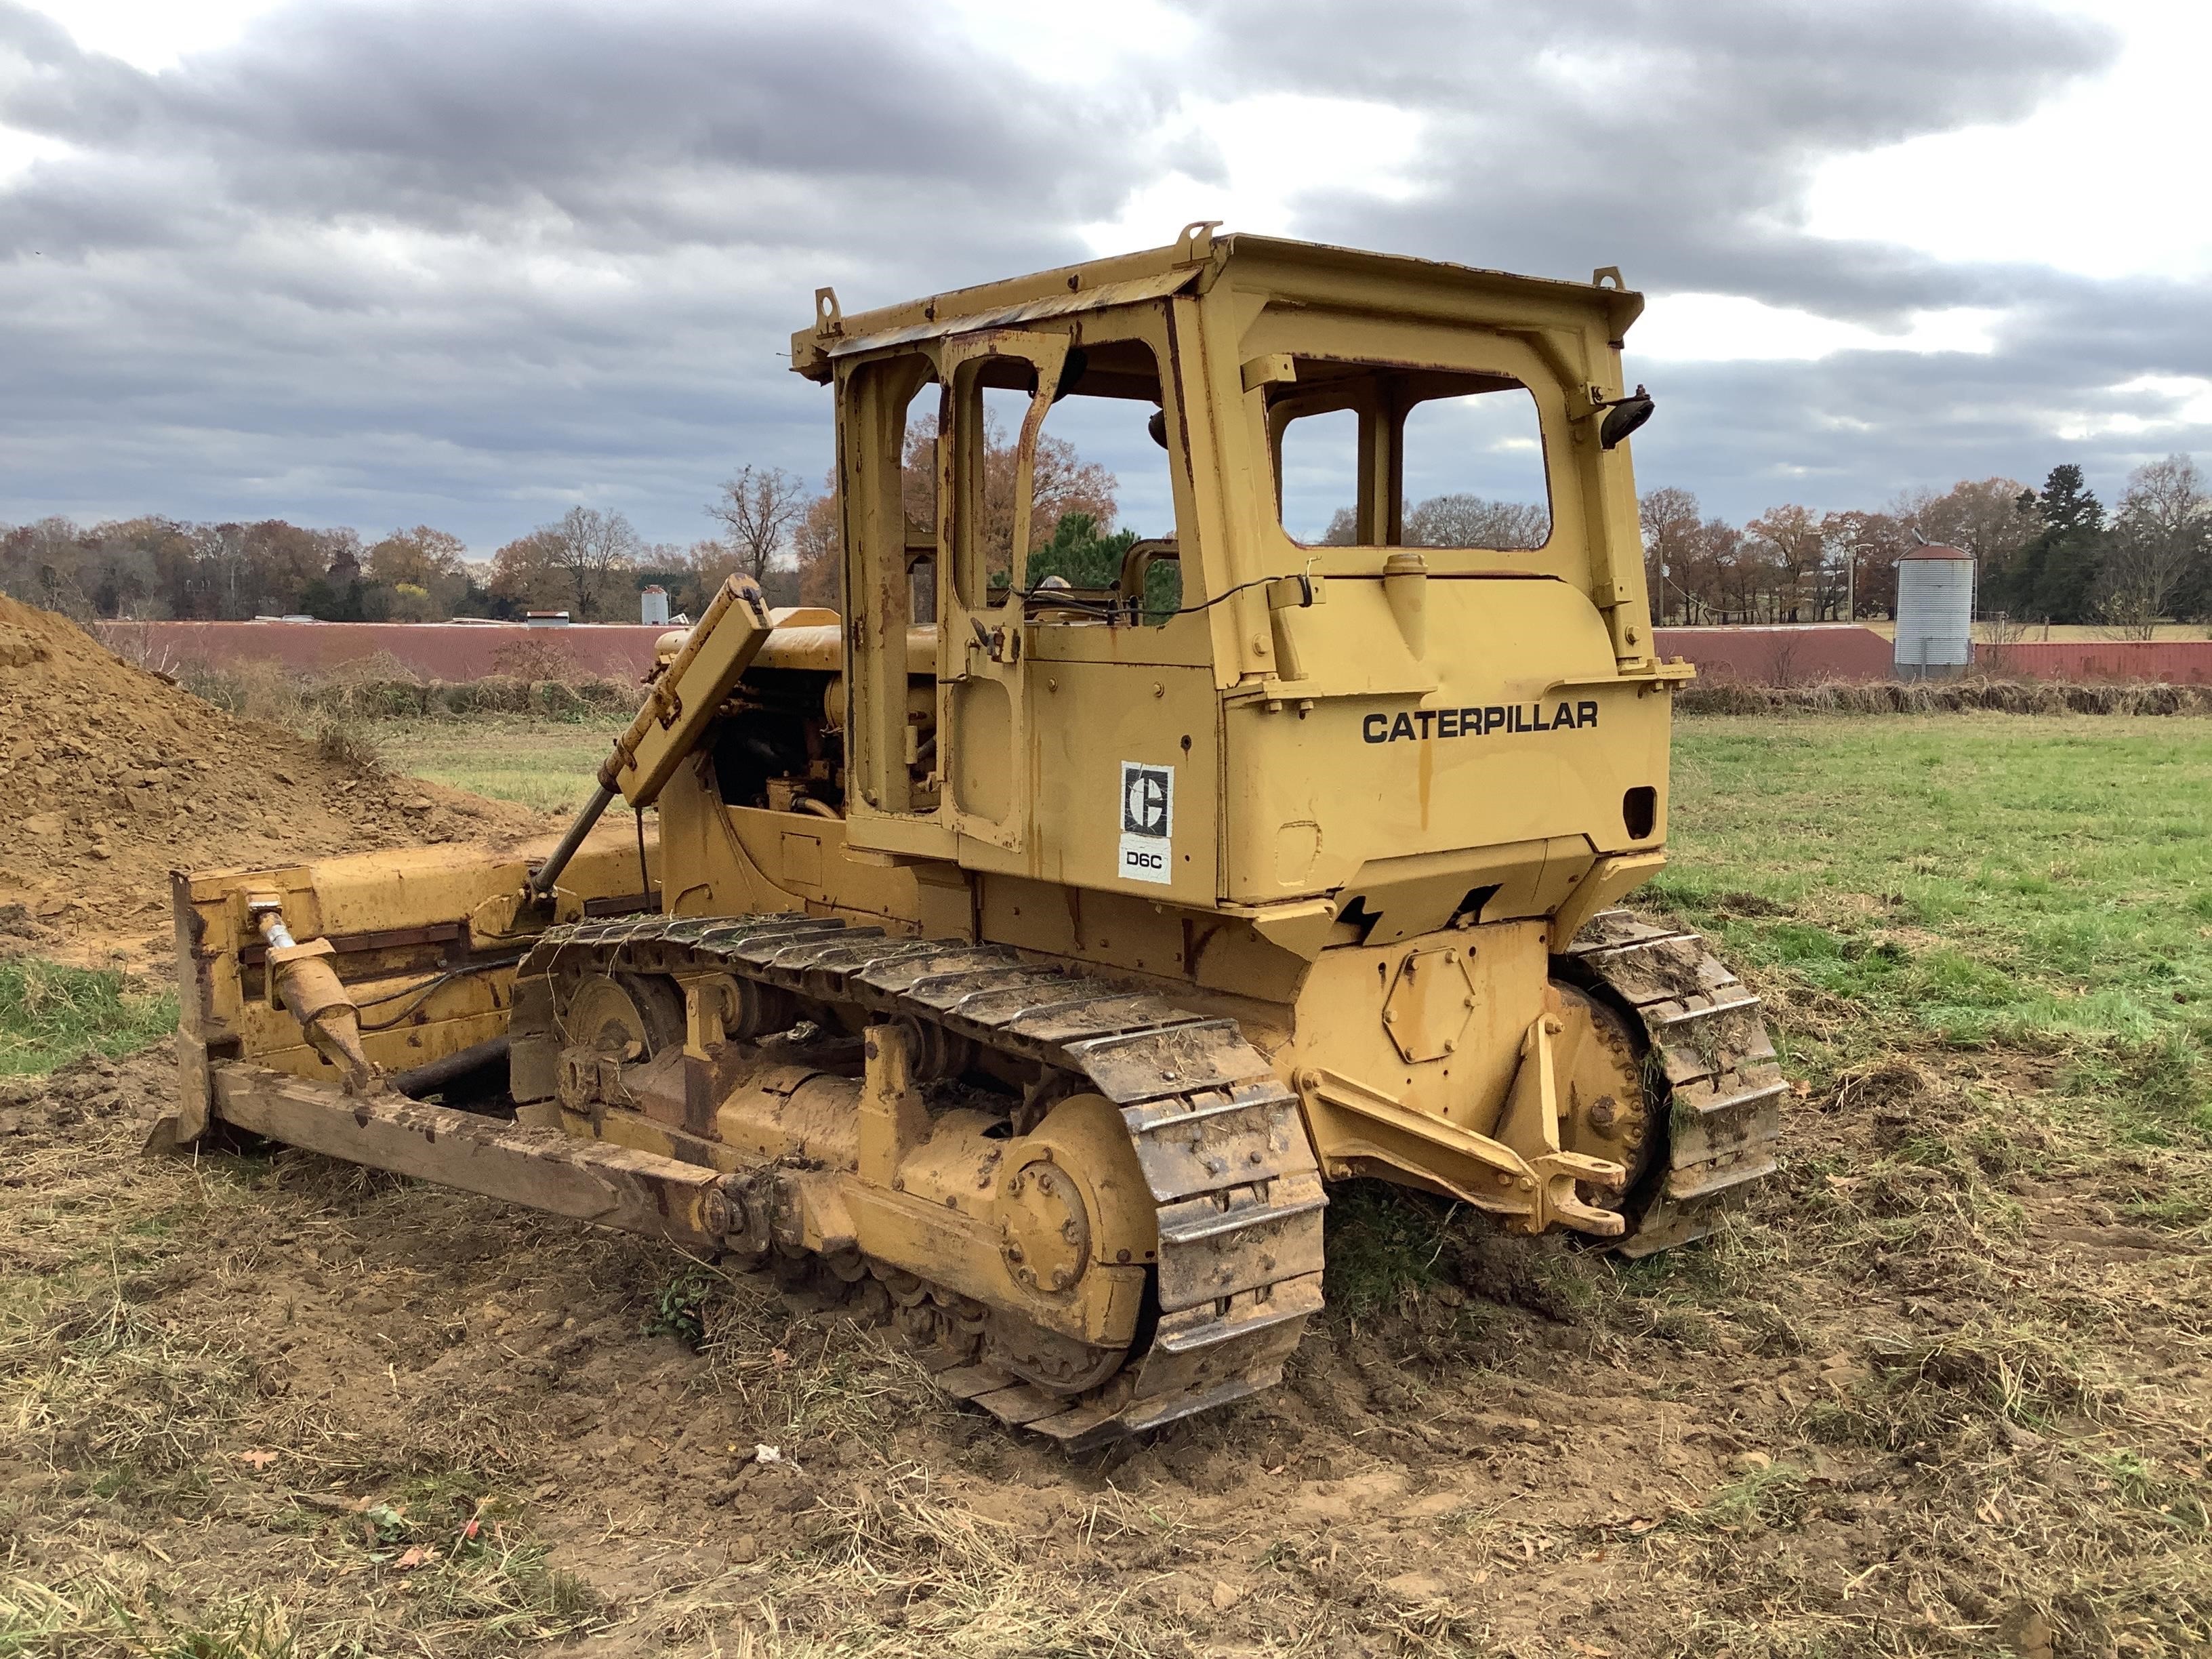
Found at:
[545, 763]
[50, 1015]
[2041, 886]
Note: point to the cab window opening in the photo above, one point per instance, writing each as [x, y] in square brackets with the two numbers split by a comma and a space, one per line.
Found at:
[918, 496]
[1102, 506]
[889, 525]
[1378, 455]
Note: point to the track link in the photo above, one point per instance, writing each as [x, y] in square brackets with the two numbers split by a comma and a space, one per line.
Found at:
[1223, 1150]
[1723, 1088]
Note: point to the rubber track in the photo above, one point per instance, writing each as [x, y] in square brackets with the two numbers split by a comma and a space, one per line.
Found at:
[1220, 1139]
[1725, 1088]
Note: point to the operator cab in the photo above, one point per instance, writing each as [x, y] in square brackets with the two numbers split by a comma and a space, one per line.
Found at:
[1136, 507]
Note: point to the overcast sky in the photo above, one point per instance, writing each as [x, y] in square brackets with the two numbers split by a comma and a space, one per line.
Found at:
[376, 262]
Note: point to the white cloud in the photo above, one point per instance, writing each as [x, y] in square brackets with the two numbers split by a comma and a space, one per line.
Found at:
[1730, 328]
[2106, 180]
[1073, 45]
[1273, 150]
[20, 151]
[153, 34]
[2168, 404]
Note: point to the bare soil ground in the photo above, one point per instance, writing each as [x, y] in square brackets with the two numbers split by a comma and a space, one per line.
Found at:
[1920, 1401]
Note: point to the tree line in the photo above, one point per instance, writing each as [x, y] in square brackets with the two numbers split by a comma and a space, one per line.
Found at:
[588, 563]
[2053, 555]
[2050, 554]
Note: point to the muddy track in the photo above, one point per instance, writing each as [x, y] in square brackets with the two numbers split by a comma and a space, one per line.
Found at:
[1237, 1192]
[1724, 1089]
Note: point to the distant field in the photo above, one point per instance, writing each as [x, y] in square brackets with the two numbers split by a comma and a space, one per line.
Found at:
[547, 764]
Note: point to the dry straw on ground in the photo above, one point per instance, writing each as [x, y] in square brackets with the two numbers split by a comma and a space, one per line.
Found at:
[1723, 696]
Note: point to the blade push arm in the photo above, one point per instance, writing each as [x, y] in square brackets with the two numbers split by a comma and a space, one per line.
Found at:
[681, 702]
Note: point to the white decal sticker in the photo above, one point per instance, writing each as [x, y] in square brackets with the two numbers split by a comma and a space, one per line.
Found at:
[1147, 850]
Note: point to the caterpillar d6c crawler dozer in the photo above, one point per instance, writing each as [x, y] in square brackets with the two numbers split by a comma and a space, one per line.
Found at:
[1020, 953]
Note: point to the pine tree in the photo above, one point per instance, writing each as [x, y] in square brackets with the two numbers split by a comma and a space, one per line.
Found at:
[1082, 557]
[2054, 577]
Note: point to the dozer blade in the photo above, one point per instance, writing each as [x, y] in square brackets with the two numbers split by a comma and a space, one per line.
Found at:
[592, 1180]
[416, 950]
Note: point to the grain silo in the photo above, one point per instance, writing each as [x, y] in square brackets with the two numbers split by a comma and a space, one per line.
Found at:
[653, 606]
[1935, 613]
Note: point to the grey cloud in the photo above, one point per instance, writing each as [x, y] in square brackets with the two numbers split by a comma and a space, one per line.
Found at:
[1855, 428]
[471, 261]
[1674, 139]
[621, 123]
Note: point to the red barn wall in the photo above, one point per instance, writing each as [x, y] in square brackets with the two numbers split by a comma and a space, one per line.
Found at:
[2175, 662]
[457, 651]
[1781, 656]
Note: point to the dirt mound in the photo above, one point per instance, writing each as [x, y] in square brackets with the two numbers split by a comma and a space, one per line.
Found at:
[119, 776]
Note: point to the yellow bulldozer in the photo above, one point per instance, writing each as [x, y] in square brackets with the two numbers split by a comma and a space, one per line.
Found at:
[1019, 956]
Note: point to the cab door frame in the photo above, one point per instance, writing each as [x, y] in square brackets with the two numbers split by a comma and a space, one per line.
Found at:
[982, 764]
[984, 749]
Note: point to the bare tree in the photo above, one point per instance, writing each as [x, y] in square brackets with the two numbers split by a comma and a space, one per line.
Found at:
[1795, 548]
[2163, 528]
[1985, 518]
[761, 507]
[588, 549]
[819, 544]
[1670, 524]
[40, 564]
[1463, 520]
[2000, 630]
